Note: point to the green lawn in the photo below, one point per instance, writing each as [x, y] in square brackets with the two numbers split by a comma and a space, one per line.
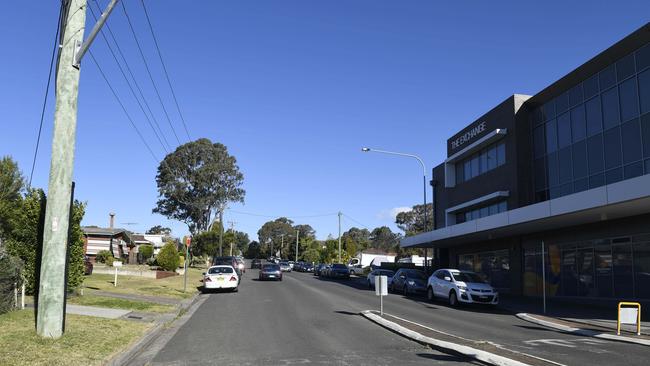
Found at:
[86, 341]
[171, 287]
[109, 302]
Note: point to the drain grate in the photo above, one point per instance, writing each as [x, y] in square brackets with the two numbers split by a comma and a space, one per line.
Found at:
[134, 317]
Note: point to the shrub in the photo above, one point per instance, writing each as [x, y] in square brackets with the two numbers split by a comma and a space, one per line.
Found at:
[109, 261]
[151, 262]
[168, 257]
[102, 256]
[146, 250]
[10, 276]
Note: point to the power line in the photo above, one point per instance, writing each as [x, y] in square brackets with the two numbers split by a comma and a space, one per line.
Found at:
[122, 105]
[155, 40]
[129, 84]
[47, 92]
[278, 216]
[135, 81]
[356, 221]
[135, 37]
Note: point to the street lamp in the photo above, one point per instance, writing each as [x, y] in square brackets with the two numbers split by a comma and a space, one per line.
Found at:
[424, 178]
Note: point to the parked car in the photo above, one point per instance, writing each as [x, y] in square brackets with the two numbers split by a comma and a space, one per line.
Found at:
[409, 281]
[285, 267]
[241, 265]
[308, 267]
[88, 266]
[318, 268]
[380, 272]
[256, 263]
[291, 264]
[270, 272]
[460, 287]
[338, 270]
[356, 269]
[325, 271]
[220, 277]
[227, 261]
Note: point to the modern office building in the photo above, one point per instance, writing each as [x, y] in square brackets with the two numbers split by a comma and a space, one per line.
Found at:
[567, 169]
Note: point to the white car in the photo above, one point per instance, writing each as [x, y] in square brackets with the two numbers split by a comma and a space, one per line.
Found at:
[380, 272]
[220, 277]
[458, 286]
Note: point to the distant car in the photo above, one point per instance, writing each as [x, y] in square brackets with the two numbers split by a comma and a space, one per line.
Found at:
[228, 261]
[338, 270]
[256, 263]
[380, 272]
[460, 287]
[308, 267]
[409, 281]
[270, 272]
[241, 265]
[318, 268]
[88, 266]
[356, 269]
[221, 277]
[285, 267]
[298, 266]
[292, 264]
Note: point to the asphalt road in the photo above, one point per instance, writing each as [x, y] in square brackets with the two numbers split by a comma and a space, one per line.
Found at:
[304, 319]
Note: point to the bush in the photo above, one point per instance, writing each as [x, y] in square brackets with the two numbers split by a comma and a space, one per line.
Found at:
[152, 262]
[146, 250]
[168, 257]
[103, 255]
[10, 276]
[109, 261]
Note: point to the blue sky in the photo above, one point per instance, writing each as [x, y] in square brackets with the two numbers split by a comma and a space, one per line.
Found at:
[295, 89]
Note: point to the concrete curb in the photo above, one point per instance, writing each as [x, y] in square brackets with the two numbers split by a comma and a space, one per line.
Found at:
[479, 355]
[581, 332]
[129, 354]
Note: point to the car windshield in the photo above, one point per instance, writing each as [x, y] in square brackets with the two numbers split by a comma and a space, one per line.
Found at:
[416, 275]
[339, 266]
[218, 270]
[386, 273]
[271, 267]
[467, 277]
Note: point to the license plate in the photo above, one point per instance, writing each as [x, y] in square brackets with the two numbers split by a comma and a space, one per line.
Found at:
[220, 279]
[483, 297]
[271, 276]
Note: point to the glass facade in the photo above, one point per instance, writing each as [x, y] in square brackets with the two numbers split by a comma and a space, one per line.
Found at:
[487, 159]
[603, 268]
[493, 266]
[484, 211]
[596, 133]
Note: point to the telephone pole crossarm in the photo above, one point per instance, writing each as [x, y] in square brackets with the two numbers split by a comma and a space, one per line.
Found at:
[79, 54]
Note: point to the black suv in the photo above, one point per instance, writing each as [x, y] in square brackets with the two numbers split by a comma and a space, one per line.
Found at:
[256, 263]
[227, 261]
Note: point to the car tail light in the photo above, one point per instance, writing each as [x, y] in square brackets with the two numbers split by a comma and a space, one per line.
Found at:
[233, 278]
[207, 279]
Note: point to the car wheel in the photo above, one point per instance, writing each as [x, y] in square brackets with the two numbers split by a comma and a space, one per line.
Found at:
[369, 285]
[236, 289]
[430, 296]
[453, 300]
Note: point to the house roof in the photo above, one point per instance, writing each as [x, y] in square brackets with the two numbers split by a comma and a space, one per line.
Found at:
[93, 230]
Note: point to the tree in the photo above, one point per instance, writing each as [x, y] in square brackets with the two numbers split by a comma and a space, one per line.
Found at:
[146, 250]
[412, 222]
[356, 239]
[383, 238]
[311, 256]
[22, 242]
[11, 186]
[196, 182]
[159, 230]
[207, 242]
[271, 234]
[239, 240]
[168, 257]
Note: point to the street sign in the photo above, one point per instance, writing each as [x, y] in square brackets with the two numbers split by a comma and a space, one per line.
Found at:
[117, 264]
[629, 313]
[381, 290]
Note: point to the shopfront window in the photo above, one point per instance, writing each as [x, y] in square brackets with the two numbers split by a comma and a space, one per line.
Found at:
[493, 266]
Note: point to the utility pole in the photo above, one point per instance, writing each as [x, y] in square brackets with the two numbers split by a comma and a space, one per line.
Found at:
[221, 233]
[51, 296]
[340, 236]
[232, 230]
[297, 235]
[281, 244]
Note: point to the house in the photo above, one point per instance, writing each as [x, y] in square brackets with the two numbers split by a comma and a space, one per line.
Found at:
[115, 240]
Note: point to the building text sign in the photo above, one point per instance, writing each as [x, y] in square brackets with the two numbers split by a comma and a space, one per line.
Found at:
[468, 136]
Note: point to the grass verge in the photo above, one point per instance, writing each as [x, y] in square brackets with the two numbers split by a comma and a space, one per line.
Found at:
[86, 341]
[114, 303]
[167, 287]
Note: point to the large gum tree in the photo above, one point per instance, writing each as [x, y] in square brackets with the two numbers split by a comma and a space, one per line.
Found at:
[196, 182]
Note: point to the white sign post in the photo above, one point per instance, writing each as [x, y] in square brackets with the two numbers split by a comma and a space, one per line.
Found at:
[381, 290]
[116, 264]
[629, 313]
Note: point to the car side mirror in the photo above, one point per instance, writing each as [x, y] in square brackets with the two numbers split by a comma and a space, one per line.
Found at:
[203, 273]
[447, 278]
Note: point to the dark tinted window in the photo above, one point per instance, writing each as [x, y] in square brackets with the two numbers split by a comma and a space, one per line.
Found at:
[553, 170]
[590, 86]
[501, 154]
[612, 143]
[415, 274]
[643, 57]
[581, 185]
[610, 108]
[562, 103]
[625, 67]
[580, 159]
[271, 267]
[564, 130]
[492, 157]
[551, 136]
[631, 136]
[549, 110]
[565, 165]
[629, 100]
[614, 175]
[645, 134]
[607, 77]
[595, 154]
[540, 173]
[217, 270]
[578, 123]
[538, 142]
[575, 95]
[594, 117]
[633, 170]
[460, 177]
[644, 90]
[596, 180]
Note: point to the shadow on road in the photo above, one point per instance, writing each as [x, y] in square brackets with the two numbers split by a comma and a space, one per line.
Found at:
[346, 312]
[446, 358]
